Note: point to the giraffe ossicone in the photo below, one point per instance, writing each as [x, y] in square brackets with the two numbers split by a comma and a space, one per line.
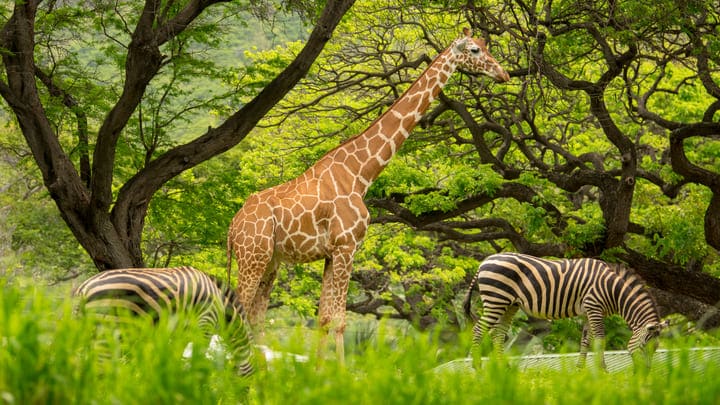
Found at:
[321, 213]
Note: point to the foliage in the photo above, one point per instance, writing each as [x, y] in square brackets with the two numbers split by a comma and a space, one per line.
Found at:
[50, 356]
[34, 241]
[114, 101]
[457, 178]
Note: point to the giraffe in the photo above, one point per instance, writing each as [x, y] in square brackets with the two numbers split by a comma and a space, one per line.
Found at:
[321, 213]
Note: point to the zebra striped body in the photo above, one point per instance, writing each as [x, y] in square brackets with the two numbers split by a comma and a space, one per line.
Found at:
[554, 289]
[154, 292]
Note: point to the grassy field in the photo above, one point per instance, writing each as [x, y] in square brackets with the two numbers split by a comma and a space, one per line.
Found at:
[47, 356]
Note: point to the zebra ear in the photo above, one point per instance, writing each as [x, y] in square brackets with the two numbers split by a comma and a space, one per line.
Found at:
[656, 327]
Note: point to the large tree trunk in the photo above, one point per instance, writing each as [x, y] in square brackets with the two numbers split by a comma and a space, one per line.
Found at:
[712, 222]
[704, 316]
[111, 231]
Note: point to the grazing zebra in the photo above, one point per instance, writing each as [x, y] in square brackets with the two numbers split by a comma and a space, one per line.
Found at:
[554, 289]
[152, 292]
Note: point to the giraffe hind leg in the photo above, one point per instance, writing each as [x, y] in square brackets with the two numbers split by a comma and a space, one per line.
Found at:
[261, 299]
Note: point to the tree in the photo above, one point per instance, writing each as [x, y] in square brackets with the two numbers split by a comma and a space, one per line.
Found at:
[107, 217]
[606, 146]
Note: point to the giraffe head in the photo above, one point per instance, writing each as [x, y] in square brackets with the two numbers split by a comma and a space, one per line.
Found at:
[473, 57]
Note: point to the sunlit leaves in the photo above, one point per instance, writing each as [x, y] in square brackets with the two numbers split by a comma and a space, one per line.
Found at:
[547, 132]
[299, 288]
[585, 226]
[675, 231]
[263, 66]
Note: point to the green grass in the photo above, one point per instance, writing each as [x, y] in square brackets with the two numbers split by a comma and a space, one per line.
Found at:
[47, 356]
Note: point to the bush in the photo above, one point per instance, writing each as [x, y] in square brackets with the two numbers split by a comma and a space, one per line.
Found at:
[50, 356]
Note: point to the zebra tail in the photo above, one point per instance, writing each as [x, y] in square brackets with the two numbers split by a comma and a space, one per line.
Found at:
[467, 304]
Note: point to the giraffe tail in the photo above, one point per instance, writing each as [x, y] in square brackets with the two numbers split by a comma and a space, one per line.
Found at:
[229, 254]
[467, 304]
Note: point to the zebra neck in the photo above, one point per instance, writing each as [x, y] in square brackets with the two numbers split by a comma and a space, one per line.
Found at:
[637, 307]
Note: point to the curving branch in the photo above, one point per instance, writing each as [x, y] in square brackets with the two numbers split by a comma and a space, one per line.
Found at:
[445, 225]
[696, 174]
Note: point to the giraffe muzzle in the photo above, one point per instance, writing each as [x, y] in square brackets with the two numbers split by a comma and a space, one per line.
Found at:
[501, 77]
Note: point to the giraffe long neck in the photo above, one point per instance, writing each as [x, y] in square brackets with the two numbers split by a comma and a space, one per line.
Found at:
[359, 160]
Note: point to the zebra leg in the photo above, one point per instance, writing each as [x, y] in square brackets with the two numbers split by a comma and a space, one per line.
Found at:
[584, 345]
[240, 343]
[480, 328]
[492, 313]
[642, 360]
[598, 335]
[501, 329]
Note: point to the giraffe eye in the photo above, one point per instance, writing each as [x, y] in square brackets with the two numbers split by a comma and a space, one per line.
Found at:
[475, 50]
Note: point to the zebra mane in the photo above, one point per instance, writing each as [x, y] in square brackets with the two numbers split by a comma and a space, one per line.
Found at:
[631, 279]
[626, 273]
[217, 280]
[227, 290]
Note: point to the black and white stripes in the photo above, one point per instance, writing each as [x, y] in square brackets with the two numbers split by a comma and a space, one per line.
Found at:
[152, 292]
[554, 289]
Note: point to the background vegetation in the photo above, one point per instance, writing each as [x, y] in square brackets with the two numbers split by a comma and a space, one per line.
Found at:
[605, 143]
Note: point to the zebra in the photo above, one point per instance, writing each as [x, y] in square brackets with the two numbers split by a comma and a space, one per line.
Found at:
[151, 292]
[555, 289]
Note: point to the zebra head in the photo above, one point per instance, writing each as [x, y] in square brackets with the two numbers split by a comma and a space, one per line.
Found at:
[653, 329]
[645, 334]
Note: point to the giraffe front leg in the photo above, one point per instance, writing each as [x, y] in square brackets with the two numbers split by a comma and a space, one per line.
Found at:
[333, 300]
[339, 326]
[324, 313]
[331, 321]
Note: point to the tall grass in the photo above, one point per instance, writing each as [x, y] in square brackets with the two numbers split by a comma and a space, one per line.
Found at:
[49, 356]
